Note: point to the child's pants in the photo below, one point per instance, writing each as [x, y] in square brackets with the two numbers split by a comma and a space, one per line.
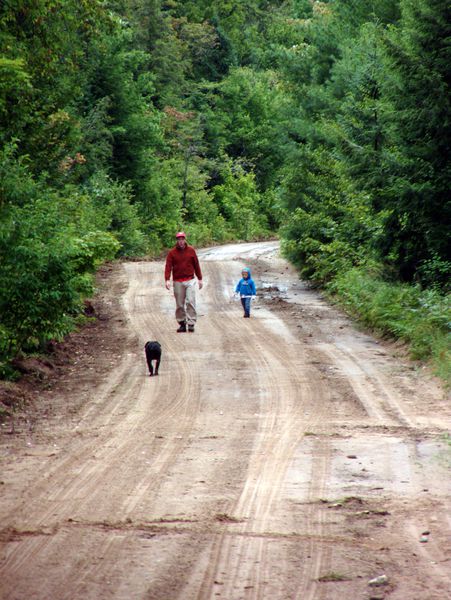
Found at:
[246, 303]
[185, 301]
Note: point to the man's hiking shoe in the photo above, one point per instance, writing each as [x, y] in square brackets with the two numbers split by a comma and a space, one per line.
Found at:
[191, 328]
[182, 328]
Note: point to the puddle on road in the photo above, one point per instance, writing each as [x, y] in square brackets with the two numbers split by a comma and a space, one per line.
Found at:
[272, 292]
[249, 250]
[297, 292]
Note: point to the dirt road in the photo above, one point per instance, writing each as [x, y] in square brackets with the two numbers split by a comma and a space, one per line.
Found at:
[286, 456]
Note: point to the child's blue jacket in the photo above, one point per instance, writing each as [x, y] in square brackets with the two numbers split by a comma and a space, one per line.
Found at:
[246, 287]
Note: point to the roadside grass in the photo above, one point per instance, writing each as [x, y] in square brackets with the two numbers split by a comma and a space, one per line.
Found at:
[421, 318]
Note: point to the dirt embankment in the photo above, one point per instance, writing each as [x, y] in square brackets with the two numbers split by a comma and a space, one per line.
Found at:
[286, 456]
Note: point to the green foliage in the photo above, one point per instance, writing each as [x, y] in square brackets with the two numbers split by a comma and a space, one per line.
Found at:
[14, 83]
[46, 271]
[16, 185]
[45, 45]
[248, 108]
[422, 318]
[160, 209]
[50, 246]
[366, 170]
[379, 113]
[417, 195]
[238, 200]
[121, 122]
[112, 205]
[330, 226]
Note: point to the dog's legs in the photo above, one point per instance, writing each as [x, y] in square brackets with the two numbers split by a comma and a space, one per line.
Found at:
[150, 368]
[157, 365]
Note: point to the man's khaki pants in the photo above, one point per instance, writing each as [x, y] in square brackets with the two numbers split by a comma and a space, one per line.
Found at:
[185, 301]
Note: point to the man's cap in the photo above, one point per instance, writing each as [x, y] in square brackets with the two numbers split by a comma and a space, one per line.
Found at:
[180, 234]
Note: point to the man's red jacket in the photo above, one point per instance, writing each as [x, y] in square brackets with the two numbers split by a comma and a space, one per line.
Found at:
[183, 263]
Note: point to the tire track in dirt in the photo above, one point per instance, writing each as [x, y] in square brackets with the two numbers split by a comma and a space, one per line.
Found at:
[52, 500]
[380, 403]
[184, 385]
[175, 414]
[316, 524]
[121, 413]
[287, 386]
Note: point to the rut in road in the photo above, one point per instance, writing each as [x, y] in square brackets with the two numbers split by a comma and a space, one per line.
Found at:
[283, 384]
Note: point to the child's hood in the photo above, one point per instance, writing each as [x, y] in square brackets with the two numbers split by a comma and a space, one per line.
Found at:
[249, 275]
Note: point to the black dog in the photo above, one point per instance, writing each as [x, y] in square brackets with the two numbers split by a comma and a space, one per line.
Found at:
[153, 352]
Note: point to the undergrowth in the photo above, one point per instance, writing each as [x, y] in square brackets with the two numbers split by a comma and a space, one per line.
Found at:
[421, 318]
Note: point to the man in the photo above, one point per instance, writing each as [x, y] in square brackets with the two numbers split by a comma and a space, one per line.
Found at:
[183, 263]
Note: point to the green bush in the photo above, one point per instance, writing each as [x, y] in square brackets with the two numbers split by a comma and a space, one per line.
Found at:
[112, 203]
[422, 318]
[50, 247]
[239, 202]
[204, 222]
[310, 244]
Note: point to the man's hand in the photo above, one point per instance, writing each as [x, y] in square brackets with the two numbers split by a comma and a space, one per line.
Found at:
[201, 284]
[168, 284]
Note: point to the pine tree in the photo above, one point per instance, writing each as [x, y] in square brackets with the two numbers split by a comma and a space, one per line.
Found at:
[419, 53]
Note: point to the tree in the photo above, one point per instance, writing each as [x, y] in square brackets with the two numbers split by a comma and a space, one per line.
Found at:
[416, 236]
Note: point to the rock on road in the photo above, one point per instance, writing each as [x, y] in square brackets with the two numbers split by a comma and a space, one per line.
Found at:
[286, 456]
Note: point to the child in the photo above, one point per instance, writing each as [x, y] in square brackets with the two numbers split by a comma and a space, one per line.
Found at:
[246, 289]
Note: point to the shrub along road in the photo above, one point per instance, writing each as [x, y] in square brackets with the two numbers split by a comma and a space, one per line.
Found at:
[283, 456]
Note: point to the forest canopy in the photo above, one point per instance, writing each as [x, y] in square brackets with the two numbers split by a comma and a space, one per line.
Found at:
[325, 123]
